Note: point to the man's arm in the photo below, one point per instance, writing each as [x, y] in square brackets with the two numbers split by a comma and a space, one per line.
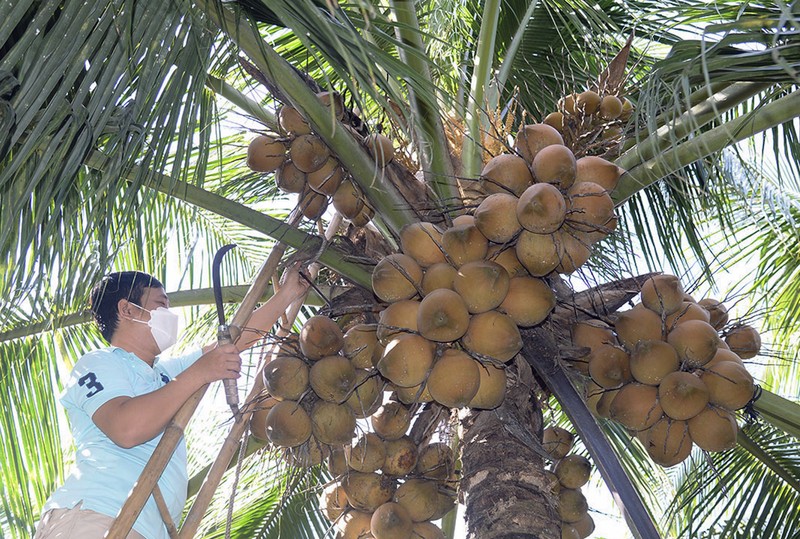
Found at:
[130, 421]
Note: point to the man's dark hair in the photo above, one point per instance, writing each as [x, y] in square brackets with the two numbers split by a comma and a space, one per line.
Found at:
[113, 287]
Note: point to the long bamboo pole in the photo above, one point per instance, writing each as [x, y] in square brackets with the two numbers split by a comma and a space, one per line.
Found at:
[175, 429]
[232, 441]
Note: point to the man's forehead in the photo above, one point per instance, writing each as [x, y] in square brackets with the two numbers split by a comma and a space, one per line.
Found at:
[155, 294]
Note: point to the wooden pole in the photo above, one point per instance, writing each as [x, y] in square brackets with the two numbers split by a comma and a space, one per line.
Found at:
[174, 431]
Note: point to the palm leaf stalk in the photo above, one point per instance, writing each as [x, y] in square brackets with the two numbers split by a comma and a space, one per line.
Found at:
[471, 158]
[435, 158]
[244, 103]
[782, 413]
[511, 52]
[384, 197]
[645, 173]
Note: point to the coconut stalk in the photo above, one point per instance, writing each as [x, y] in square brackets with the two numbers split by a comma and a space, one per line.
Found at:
[471, 158]
[384, 197]
[250, 106]
[781, 413]
[694, 118]
[434, 150]
[645, 173]
[329, 256]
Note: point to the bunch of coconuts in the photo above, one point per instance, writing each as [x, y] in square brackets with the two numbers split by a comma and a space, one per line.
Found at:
[569, 473]
[316, 388]
[304, 164]
[593, 119]
[670, 370]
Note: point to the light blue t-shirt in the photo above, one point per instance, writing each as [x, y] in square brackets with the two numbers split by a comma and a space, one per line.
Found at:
[104, 472]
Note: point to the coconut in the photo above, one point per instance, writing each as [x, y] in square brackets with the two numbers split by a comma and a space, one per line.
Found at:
[744, 340]
[438, 276]
[348, 199]
[557, 442]
[529, 301]
[662, 294]
[687, 311]
[651, 361]
[312, 204]
[592, 394]
[506, 256]
[695, 341]
[287, 424]
[327, 179]
[682, 395]
[717, 312]
[464, 243]
[572, 505]
[496, 217]
[573, 471]
[364, 216]
[289, 178]
[539, 253]
[332, 423]
[668, 442]
[533, 137]
[391, 421]
[436, 461]
[636, 406]
[286, 378]
[367, 491]
[443, 316]
[413, 394]
[355, 524]
[396, 277]
[610, 107]
[333, 378]
[506, 173]
[585, 526]
[407, 360]
[555, 120]
[597, 170]
[541, 208]
[427, 530]
[714, 429]
[463, 220]
[627, 109]
[359, 345]
[367, 396]
[258, 421]
[401, 456]
[333, 501]
[603, 405]
[588, 102]
[494, 335]
[418, 496]
[567, 104]
[292, 122]
[423, 242]
[391, 521]
[265, 154]
[311, 453]
[320, 337]
[492, 388]
[454, 380]
[555, 164]
[609, 366]
[576, 250]
[589, 208]
[723, 354]
[380, 148]
[638, 324]
[729, 385]
[398, 318]
[367, 454]
[482, 284]
[568, 531]
[308, 153]
[592, 333]
[337, 465]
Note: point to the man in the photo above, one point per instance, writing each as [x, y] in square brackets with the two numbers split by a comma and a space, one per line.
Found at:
[119, 399]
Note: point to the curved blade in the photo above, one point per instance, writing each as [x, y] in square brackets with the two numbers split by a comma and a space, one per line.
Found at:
[215, 280]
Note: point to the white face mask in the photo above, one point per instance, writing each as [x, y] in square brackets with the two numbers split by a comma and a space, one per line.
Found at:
[163, 325]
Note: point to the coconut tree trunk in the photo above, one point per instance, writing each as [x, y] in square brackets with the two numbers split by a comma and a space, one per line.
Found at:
[505, 488]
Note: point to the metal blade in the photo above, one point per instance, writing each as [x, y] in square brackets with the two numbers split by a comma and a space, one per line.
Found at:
[215, 280]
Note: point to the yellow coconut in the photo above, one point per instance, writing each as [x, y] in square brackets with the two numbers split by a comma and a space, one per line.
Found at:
[506, 256]
[443, 316]
[423, 242]
[493, 334]
[557, 442]
[391, 421]
[367, 454]
[312, 204]
[651, 361]
[529, 301]
[668, 442]
[396, 277]
[398, 318]
[638, 324]
[541, 208]
[289, 178]
[610, 107]
[454, 379]
[333, 501]
[496, 217]
[663, 294]
[309, 153]
[418, 496]
[597, 170]
[332, 423]
[576, 247]
[368, 491]
[506, 173]
[717, 312]
[464, 243]
[539, 253]
[491, 389]
[286, 378]
[609, 366]
[556, 120]
[319, 337]
[265, 154]
[636, 406]
[714, 429]
[729, 384]
[348, 199]
[327, 179]
[438, 276]
[682, 395]
[436, 461]
[555, 164]
[359, 345]
[482, 284]
[288, 425]
[407, 360]
[533, 137]
[380, 147]
[367, 395]
[687, 311]
[590, 208]
[695, 341]
[333, 378]
[744, 340]
[573, 471]
[588, 102]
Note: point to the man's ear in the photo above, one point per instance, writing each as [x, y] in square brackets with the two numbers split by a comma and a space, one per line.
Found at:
[125, 309]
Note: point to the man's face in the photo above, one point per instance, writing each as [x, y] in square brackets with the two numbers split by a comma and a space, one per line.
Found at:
[153, 298]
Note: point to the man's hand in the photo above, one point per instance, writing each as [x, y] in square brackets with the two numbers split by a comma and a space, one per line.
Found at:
[295, 281]
[218, 363]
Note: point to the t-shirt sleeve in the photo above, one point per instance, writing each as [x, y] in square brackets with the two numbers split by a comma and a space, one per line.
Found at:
[97, 378]
[176, 365]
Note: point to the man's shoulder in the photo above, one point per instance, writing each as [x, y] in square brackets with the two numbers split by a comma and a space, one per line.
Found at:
[100, 355]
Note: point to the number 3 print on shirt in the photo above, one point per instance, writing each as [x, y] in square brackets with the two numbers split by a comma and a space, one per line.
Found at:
[90, 381]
